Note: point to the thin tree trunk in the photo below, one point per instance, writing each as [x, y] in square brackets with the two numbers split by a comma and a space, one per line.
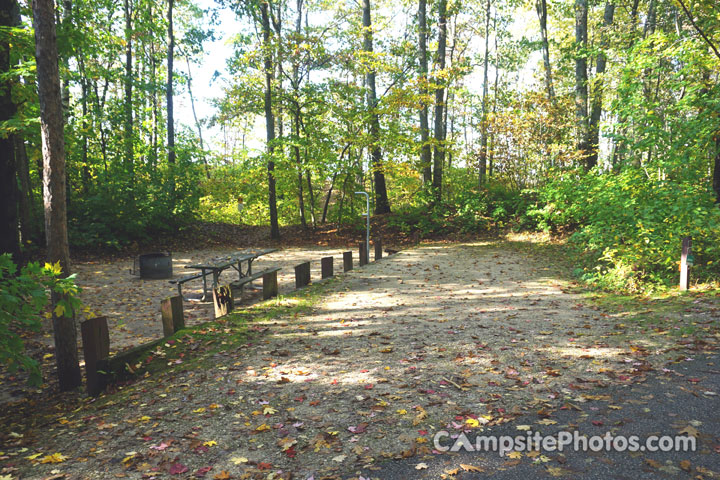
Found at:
[491, 157]
[128, 105]
[425, 149]
[53, 147]
[198, 125]
[439, 150]
[169, 94]
[65, 59]
[596, 111]
[26, 204]
[581, 83]
[308, 177]
[327, 198]
[296, 114]
[269, 121]
[382, 204]
[9, 233]
[716, 168]
[541, 7]
[483, 127]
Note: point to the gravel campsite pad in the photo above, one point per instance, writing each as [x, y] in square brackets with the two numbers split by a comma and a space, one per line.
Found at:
[439, 337]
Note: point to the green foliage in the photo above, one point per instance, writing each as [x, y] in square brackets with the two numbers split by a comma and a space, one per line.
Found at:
[631, 229]
[23, 296]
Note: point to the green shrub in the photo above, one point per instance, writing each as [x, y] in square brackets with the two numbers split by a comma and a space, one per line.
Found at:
[22, 298]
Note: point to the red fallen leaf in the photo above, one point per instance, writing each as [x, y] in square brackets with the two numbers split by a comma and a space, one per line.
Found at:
[369, 386]
[334, 381]
[177, 469]
[423, 432]
[300, 399]
[202, 471]
[314, 402]
[201, 449]
[264, 466]
[290, 452]
[359, 429]
[693, 380]
[364, 370]
[597, 423]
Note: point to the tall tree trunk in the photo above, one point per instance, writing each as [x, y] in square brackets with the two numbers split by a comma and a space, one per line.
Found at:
[311, 194]
[9, 233]
[382, 204]
[269, 120]
[128, 105]
[327, 198]
[491, 157]
[716, 168]
[597, 101]
[198, 125]
[26, 207]
[170, 108]
[53, 148]
[296, 116]
[541, 7]
[65, 59]
[581, 83]
[483, 126]
[425, 149]
[439, 150]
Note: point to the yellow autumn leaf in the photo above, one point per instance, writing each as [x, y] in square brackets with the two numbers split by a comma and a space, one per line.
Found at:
[547, 421]
[54, 458]
[262, 428]
[472, 422]
[514, 455]
[144, 418]
[199, 410]
[402, 411]
[239, 460]
[210, 443]
[59, 310]
[523, 427]
[268, 410]
[33, 457]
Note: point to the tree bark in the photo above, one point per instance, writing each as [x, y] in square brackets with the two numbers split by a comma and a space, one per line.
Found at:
[128, 104]
[382, 204]
[9, 233]
[171, 158]
[483, 126]
[439, 149]
[425, 149]
[597, 101]
[296, 116]
[581, 83]
[53, 148]
[269, 119]
[198, 125]
[541, 7]
[716, 168]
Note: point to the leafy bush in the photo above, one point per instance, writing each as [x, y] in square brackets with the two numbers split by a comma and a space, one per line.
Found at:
[22, 298]
[630, 226]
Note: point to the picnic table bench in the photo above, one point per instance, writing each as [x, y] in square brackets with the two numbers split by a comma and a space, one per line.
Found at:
[216, 266]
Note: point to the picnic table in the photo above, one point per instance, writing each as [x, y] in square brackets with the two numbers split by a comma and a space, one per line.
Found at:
[217, 265]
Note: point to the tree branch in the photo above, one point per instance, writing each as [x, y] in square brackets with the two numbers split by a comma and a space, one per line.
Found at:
[699, 30]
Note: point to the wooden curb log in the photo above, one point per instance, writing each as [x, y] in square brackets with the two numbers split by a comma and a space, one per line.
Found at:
[173, 319]
[222, 300]
[347, 261]
[378, 248]
[96, 347]
[327, 267]
[270, 284]
[363, 254]
[302, 275]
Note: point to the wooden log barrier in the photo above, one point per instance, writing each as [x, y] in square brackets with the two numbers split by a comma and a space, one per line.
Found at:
[686, 261]
[363, 254]
[347, 261]
[302, 275]
[222, 300]
[270, 285]
[173, 319]
[96, 347]
[327, 267]
[378, 248]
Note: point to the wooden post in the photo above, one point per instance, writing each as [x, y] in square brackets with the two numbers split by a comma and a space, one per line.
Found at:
[96, 347]
[302, 275]
[173, 319]
[270, 285]
[222, 300]
[378, 248]
[327, 267]
[685, 263]
[363, 254]
[347, 261]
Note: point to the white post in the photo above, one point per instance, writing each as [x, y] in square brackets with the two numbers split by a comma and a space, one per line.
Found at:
[367, 225]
